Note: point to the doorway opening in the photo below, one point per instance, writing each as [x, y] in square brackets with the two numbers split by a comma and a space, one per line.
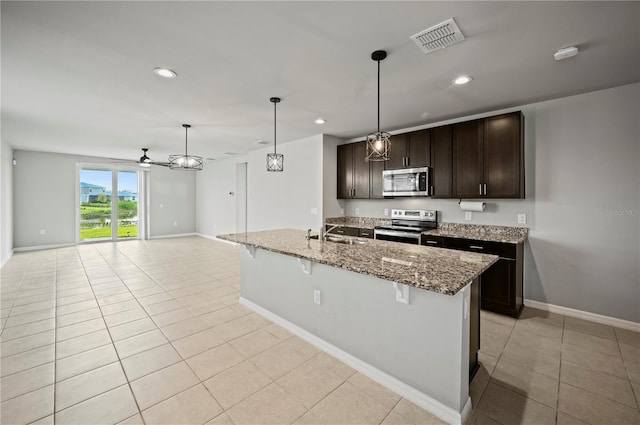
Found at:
[109, 201]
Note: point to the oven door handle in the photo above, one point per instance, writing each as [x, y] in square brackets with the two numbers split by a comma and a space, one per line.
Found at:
[412, 235]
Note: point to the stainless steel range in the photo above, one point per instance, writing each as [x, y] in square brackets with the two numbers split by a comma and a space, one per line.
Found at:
[407, 226]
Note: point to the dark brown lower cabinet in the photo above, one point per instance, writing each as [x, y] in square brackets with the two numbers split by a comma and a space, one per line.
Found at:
[501, 284]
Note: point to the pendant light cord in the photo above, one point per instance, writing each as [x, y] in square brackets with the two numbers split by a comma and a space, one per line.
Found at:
[185, 140]
[274, 127]
[378, 96]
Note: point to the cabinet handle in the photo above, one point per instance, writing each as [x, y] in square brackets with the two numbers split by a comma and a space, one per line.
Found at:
[432, 242]
[366, 234]
[431, 190]
[480, 188]
[406, 161]
[485, 188]
[476, 247]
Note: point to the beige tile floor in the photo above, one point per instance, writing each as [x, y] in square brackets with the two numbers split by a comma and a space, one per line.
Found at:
[151, 332]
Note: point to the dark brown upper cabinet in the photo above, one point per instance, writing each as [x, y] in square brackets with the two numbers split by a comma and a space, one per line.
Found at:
[409, 150]
[353, 171]
[467, 159]
[375, 179]
[504, 156]
[488, 157]
[442, 162]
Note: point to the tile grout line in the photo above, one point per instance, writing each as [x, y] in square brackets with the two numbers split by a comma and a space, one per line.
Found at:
[110, 337]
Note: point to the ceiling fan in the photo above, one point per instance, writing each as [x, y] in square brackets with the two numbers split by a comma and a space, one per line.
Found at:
[145, 161]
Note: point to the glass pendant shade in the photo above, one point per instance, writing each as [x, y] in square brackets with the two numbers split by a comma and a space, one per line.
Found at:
[378, 143]
[275, 161]
[186, 162]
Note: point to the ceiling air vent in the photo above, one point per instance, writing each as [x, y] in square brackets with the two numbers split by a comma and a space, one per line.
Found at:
[438, 36]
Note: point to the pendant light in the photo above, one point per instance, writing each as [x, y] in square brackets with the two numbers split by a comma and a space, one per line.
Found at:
[185, 162]
[378, 143]
[275, 161]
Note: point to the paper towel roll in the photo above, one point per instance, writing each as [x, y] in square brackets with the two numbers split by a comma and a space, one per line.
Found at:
[472, 206]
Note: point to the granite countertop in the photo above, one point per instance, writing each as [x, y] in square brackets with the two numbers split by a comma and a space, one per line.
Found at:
[479, 232]
[504, 234]
[435, 269]
[359, 222]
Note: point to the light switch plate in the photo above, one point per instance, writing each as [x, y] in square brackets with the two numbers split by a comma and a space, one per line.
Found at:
[468, 215]
[314, 211]
[357, 211]
[522, 219]
[316, 297]
[386, 211]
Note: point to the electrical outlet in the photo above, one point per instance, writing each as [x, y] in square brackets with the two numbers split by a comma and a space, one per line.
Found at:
[342, 211]
[468, 215]
[522, 219]
[42, 231]
[314, 211]
[175, 224]
[316, 296]
[357, 211]
[161, 205]
[386, 211]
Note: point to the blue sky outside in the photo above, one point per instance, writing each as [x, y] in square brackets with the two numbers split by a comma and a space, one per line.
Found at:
[127, 180]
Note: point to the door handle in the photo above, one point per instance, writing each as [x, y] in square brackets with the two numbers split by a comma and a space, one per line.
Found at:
[480, 188]
[485, 188]
[432, 242]
[476, 247]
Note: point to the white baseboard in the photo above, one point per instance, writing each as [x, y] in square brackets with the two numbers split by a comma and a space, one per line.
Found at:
[585, 315]
[442, 411]
[177, 235]
[41, 247]
[213, 238]
[7, 259]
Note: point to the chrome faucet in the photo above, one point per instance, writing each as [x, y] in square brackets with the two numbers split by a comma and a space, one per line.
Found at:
[325, 233]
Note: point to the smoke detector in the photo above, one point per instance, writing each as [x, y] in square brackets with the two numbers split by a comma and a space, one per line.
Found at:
[439, 36]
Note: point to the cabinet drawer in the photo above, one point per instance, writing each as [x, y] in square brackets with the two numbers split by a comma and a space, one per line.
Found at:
[346, 231]
[504, 250]
[436, 241]
[365, 233]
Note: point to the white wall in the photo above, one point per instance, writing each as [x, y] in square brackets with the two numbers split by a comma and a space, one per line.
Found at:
[6, 202]
[285, 200]
[172, 200]
[215, 206]
[582, 202]
[44, 187]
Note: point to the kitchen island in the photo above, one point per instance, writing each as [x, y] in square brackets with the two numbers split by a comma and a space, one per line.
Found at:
[404, 315]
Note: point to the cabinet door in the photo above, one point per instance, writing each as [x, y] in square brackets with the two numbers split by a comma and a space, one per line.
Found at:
[503, 165]
[419, 149]
[467, 159]
[498, 286]
[360, 171]
[375, 179]
[345, 171]
[397, 153]
[441, 162]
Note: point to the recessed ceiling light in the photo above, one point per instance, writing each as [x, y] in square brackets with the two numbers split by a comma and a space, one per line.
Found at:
[463, 79]
[165, 72]
[320, 121]
[566, 52]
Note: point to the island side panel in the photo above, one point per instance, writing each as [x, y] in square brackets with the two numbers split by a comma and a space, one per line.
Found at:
[424, 344]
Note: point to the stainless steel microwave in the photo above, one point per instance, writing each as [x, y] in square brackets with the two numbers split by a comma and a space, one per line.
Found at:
[406, 182]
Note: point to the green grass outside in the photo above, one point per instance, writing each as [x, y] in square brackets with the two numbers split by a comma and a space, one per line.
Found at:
[105, 232]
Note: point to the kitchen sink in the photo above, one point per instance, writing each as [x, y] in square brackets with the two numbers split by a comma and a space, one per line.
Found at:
[345, 240]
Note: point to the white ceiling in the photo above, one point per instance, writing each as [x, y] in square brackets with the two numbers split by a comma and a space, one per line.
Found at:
[77, 76]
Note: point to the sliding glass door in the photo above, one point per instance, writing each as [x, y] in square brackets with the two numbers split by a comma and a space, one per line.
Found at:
[108, 203]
